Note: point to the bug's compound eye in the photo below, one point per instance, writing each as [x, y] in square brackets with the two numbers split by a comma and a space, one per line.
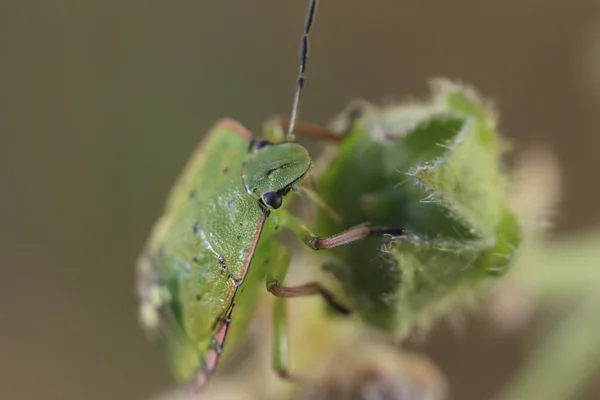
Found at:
[272, 200]
[261, 143]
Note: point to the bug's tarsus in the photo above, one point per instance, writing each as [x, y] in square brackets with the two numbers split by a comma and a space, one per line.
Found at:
[300, 380]
[303, 57]
[392, 231]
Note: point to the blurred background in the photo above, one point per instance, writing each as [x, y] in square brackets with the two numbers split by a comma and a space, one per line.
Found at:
[101, 103]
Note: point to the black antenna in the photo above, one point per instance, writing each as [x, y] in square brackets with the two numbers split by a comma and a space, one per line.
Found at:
[303, 56]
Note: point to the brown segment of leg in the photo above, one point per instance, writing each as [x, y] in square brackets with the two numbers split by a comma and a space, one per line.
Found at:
[348, 236]
[307, 289]
[306, 128]
[351, 235]
[213, 355]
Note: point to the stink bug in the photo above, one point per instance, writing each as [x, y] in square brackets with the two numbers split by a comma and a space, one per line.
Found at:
[215, 241]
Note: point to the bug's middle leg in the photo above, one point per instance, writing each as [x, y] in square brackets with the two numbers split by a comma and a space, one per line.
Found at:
[280, 354]
[275, 275]
[307, 289]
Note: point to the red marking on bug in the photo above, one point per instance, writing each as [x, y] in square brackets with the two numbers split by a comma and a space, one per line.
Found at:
[247, 257]
[222, 332]
[212, 357]
[201, 381]
[252, 248]
[211, 361]
[231, 124]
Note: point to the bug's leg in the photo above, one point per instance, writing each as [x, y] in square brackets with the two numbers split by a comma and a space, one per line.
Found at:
[348, 236]
[314, 197]
[281, 350]
[276, 275]
[280, 339]
[307, 289]
[280, 360]
[277, 125]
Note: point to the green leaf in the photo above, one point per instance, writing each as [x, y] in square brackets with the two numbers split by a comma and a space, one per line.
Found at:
[434, 169]
[562, 275]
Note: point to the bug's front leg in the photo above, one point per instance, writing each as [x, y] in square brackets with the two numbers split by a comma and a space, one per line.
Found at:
[275, 129]
[276, 126]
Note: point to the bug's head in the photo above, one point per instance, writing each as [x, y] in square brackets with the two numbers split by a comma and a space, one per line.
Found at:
[271, 169]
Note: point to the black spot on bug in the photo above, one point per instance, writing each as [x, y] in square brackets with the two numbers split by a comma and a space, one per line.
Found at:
[216, 346]
[230, 203]
[236, 281]
[192, 194]
[198, 297]
[241, 224]
[195, 259]
[269, 172]
[196, 227]
[276, 227]
[267, 260]
[226, 170]
[254, 190]
[239, 237]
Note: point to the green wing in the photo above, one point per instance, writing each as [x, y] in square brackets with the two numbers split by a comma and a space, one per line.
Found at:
[200, 250]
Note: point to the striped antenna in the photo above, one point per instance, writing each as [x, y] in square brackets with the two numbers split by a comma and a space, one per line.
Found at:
[303, 56]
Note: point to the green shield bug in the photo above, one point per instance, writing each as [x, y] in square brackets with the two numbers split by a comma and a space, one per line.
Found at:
[214, 243]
